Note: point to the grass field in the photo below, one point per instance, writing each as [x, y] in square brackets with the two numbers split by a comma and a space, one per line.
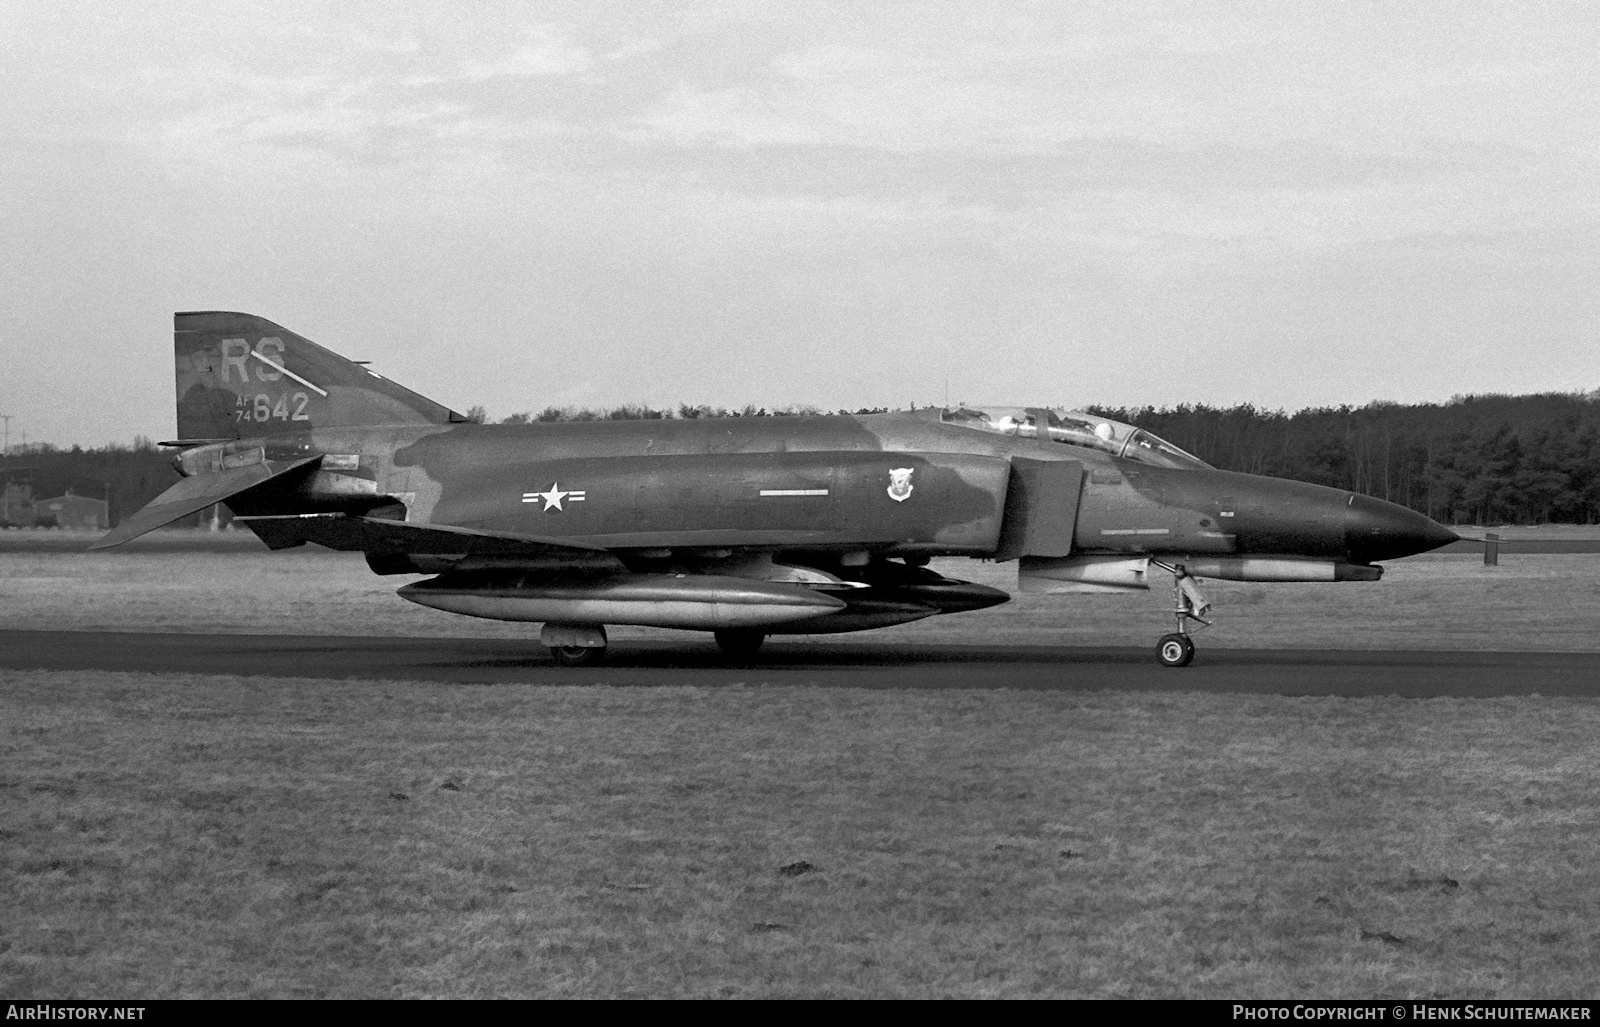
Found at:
[261, 837]
[180, 836]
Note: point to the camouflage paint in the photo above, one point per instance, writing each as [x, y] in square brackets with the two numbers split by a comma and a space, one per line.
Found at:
[318, 448]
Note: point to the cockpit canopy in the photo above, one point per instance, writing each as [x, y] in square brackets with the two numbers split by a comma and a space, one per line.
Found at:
[1075, 428]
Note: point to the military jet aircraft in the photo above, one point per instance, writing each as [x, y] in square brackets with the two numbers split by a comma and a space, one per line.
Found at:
[744, 527]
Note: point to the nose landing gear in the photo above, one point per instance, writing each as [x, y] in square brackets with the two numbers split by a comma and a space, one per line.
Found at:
[1189, 604]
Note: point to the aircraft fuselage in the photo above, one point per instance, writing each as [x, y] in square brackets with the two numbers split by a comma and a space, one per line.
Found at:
[824, 483]
[745, 526]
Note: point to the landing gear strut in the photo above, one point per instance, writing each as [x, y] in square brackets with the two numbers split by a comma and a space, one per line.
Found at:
[1188, 604]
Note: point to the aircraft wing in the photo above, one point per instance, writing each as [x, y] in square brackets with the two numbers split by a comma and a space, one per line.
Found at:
[476, 545]
[398, 543]
[194, 494]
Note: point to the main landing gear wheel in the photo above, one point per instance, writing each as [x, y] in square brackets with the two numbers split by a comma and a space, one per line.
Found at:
[1175, 650]
[739, 642]
[577, 655]
[575, 645]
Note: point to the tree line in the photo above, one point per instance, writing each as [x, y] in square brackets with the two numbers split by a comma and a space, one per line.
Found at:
[127, 477]
[1489, 459]
[643, 412]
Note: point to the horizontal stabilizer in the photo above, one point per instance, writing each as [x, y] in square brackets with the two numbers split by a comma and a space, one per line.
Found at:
[194, 494]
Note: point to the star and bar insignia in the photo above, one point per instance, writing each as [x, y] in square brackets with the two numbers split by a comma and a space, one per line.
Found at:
[554, 496]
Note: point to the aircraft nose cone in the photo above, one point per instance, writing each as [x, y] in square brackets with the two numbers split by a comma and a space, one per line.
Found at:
[1375, 530]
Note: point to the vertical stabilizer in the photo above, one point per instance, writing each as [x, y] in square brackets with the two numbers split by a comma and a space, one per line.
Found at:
[241, 376]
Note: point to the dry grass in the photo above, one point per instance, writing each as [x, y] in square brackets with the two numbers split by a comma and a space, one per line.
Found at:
[1530, 602]
[234, 837]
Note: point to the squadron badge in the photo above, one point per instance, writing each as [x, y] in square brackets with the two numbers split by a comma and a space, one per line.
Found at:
[900, 483]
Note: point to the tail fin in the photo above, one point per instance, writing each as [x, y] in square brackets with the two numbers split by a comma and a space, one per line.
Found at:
[241, 376]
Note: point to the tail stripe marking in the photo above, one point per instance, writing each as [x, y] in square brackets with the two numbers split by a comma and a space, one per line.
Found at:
[291, 374]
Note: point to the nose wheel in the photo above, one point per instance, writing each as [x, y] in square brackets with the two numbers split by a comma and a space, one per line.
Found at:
[1175, 650]
[1188, 604]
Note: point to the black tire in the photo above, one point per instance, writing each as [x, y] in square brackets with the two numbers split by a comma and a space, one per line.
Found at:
[739, 642]
[1175, 650]
[577, 655]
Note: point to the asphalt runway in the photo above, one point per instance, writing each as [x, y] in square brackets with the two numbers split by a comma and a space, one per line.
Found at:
[468, 661]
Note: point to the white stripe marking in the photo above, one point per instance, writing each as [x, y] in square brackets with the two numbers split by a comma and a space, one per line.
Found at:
[1135, 531]
[794, 492]
[285, 370]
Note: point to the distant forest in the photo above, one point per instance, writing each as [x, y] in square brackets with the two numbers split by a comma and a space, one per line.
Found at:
[127, 477]
[1474, 460]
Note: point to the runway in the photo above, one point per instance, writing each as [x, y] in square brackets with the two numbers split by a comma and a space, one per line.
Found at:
[789, 663]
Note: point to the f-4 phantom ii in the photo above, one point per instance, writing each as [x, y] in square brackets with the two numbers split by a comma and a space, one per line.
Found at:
[744, 527]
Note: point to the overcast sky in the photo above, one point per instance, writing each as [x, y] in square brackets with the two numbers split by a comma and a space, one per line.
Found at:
[531, 204]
